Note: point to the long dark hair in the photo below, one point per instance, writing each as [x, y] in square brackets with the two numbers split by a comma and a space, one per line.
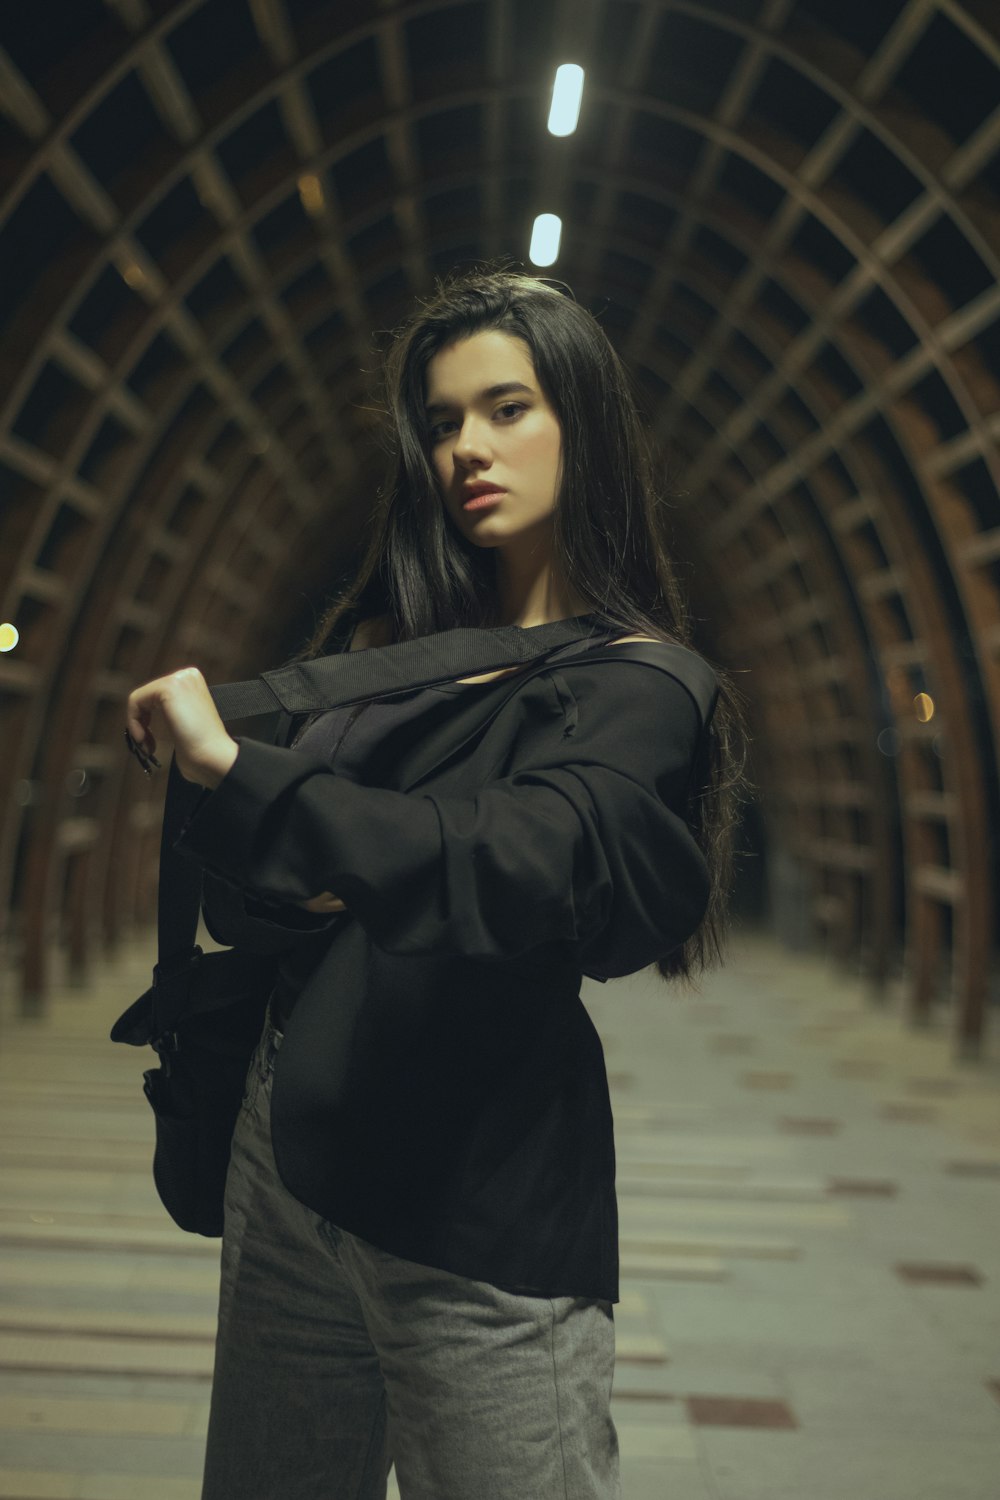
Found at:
[419, 574]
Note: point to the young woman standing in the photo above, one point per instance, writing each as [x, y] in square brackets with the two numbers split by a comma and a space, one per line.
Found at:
[420, 1254]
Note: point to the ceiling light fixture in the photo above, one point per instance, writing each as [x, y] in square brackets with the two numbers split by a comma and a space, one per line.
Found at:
[567, 91]
[545, 233]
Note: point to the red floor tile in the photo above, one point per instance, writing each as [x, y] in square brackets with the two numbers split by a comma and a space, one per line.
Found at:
[862, 1187]
[802, 1125]
[938, 1275]
[908, 1114]
[768, 1080]
[622, 1395]
[736, 1411]
[733, 1044]
[939, 1087]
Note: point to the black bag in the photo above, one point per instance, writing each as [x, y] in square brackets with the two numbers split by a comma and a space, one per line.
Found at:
[204, 1012]
[203, 1019]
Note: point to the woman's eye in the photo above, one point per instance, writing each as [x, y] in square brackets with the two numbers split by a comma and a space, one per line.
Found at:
[511, 407]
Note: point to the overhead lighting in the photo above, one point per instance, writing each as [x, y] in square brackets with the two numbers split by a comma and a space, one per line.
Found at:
[9, 637]
[545, 234]
[567, 91]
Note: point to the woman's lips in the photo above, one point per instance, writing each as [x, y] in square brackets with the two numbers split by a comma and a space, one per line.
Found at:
[480, 502]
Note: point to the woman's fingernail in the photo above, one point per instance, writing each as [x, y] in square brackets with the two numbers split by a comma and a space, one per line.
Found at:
[144, 757]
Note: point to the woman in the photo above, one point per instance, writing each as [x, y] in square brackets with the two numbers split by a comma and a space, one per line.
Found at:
[420, 1255]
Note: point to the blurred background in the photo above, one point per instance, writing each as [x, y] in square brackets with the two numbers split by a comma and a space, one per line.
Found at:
[786, 215]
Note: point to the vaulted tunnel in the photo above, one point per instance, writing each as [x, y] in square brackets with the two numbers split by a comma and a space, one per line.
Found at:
[786, 214]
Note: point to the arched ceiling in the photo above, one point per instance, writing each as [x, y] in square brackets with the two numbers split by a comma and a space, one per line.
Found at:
[786, 214]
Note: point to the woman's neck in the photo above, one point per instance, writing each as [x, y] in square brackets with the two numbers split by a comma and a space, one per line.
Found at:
[542, 602]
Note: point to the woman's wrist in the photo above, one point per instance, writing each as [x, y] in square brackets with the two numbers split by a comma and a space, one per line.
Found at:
[211, 771]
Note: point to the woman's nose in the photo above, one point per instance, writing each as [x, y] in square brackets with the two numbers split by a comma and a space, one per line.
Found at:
[472, 441]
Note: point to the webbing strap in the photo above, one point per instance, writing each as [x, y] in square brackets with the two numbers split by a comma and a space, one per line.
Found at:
[329, 682]
[351, 676]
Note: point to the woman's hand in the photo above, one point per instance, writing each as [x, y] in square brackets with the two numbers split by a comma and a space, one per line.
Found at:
[203, 749]
[326, 902]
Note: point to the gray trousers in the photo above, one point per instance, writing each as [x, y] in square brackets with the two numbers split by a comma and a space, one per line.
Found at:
[335, 1359]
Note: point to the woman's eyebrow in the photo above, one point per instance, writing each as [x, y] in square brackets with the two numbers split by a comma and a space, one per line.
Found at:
[505, 389]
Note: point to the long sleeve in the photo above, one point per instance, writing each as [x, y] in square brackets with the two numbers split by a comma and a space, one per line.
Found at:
[586, 844]
[239, 920]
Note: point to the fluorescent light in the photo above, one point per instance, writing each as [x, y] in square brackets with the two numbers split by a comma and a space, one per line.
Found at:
[567, 91]
[545, 234]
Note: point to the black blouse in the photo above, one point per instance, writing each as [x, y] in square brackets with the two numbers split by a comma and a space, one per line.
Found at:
[450, 1105]
[357, 740]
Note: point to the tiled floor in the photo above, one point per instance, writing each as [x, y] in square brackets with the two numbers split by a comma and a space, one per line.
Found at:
[810, 1234]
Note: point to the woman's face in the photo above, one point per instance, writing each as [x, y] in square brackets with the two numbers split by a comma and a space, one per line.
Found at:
[502, 441]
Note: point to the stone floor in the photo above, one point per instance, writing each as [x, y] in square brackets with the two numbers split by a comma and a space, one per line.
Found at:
[810, 1207]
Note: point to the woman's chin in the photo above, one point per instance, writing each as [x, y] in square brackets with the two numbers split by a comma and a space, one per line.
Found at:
[486, 533]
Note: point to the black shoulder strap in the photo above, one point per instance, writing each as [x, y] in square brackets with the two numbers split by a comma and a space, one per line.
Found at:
[691, 670]
[349, 677]
[328, 682]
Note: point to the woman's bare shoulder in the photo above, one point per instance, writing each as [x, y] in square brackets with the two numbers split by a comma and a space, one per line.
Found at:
[653, 639]
[371, 632]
